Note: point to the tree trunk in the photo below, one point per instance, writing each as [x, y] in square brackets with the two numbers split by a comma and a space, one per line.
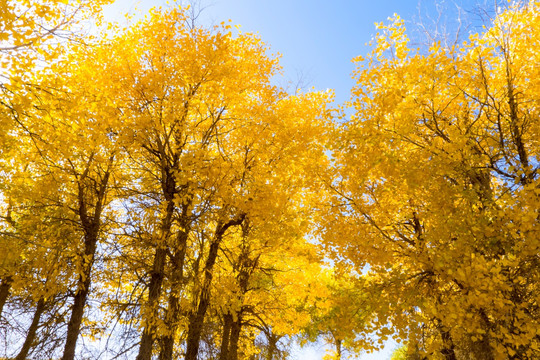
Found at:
[83, 288]
[156, 279]
[90, 224]
[173, 312]
[230, 338]
[5, 287]
[448, 350]
[338, 349]
[167, 341]
[154, 292]
[235, 337]
[272, 346]
[227, 324]
[483, 347]
[246, 267]
[196, 319]
[31, 335]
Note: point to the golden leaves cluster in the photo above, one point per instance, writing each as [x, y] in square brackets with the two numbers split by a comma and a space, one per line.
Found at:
[438, 182]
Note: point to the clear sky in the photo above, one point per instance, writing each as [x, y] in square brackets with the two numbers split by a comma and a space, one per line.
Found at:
[318, 38]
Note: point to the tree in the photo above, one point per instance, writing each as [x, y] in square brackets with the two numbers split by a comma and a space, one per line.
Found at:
[26, 31]
[340, 313]
[210, 144]
[437, 189]
[30, 36]
[268, 280]
[77, 167]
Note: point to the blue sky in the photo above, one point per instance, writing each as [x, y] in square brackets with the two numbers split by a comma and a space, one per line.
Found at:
[317, 40]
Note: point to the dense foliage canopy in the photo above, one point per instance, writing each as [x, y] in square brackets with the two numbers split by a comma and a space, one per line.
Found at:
[161, 197]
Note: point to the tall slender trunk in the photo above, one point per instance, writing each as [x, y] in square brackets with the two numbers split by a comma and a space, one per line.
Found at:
[196, 319]
[5, 287]
[91, 225]
[83, 288]
[243, 280]
[227, 324]
[155, 285]
[339, 349]
[154, 292]
[173, 312]
[448, 350]
[483, 346]
[230, 338]
[31, 335]
[272, 344]
[171, 318]
[516, 131]
[246, 267]
[236, 328]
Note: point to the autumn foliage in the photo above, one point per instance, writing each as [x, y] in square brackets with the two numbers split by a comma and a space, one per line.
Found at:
[161, 197]
[438, 189]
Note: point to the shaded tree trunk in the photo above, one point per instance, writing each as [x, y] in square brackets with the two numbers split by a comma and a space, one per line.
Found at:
[339, 350]
[196, 319]
[5, 287]
[236, 328]
[154, 292]
[225, 338]
[168, 188]
[156, 280]
[83, 288]
[31, 335]
[231, 337]
[448, 350]
[172, 317]
[272, 346]
[246, 267]
[173, 312]
[484, 348]
[91, 224]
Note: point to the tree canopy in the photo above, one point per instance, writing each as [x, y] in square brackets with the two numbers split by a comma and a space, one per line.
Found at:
[161, 197]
